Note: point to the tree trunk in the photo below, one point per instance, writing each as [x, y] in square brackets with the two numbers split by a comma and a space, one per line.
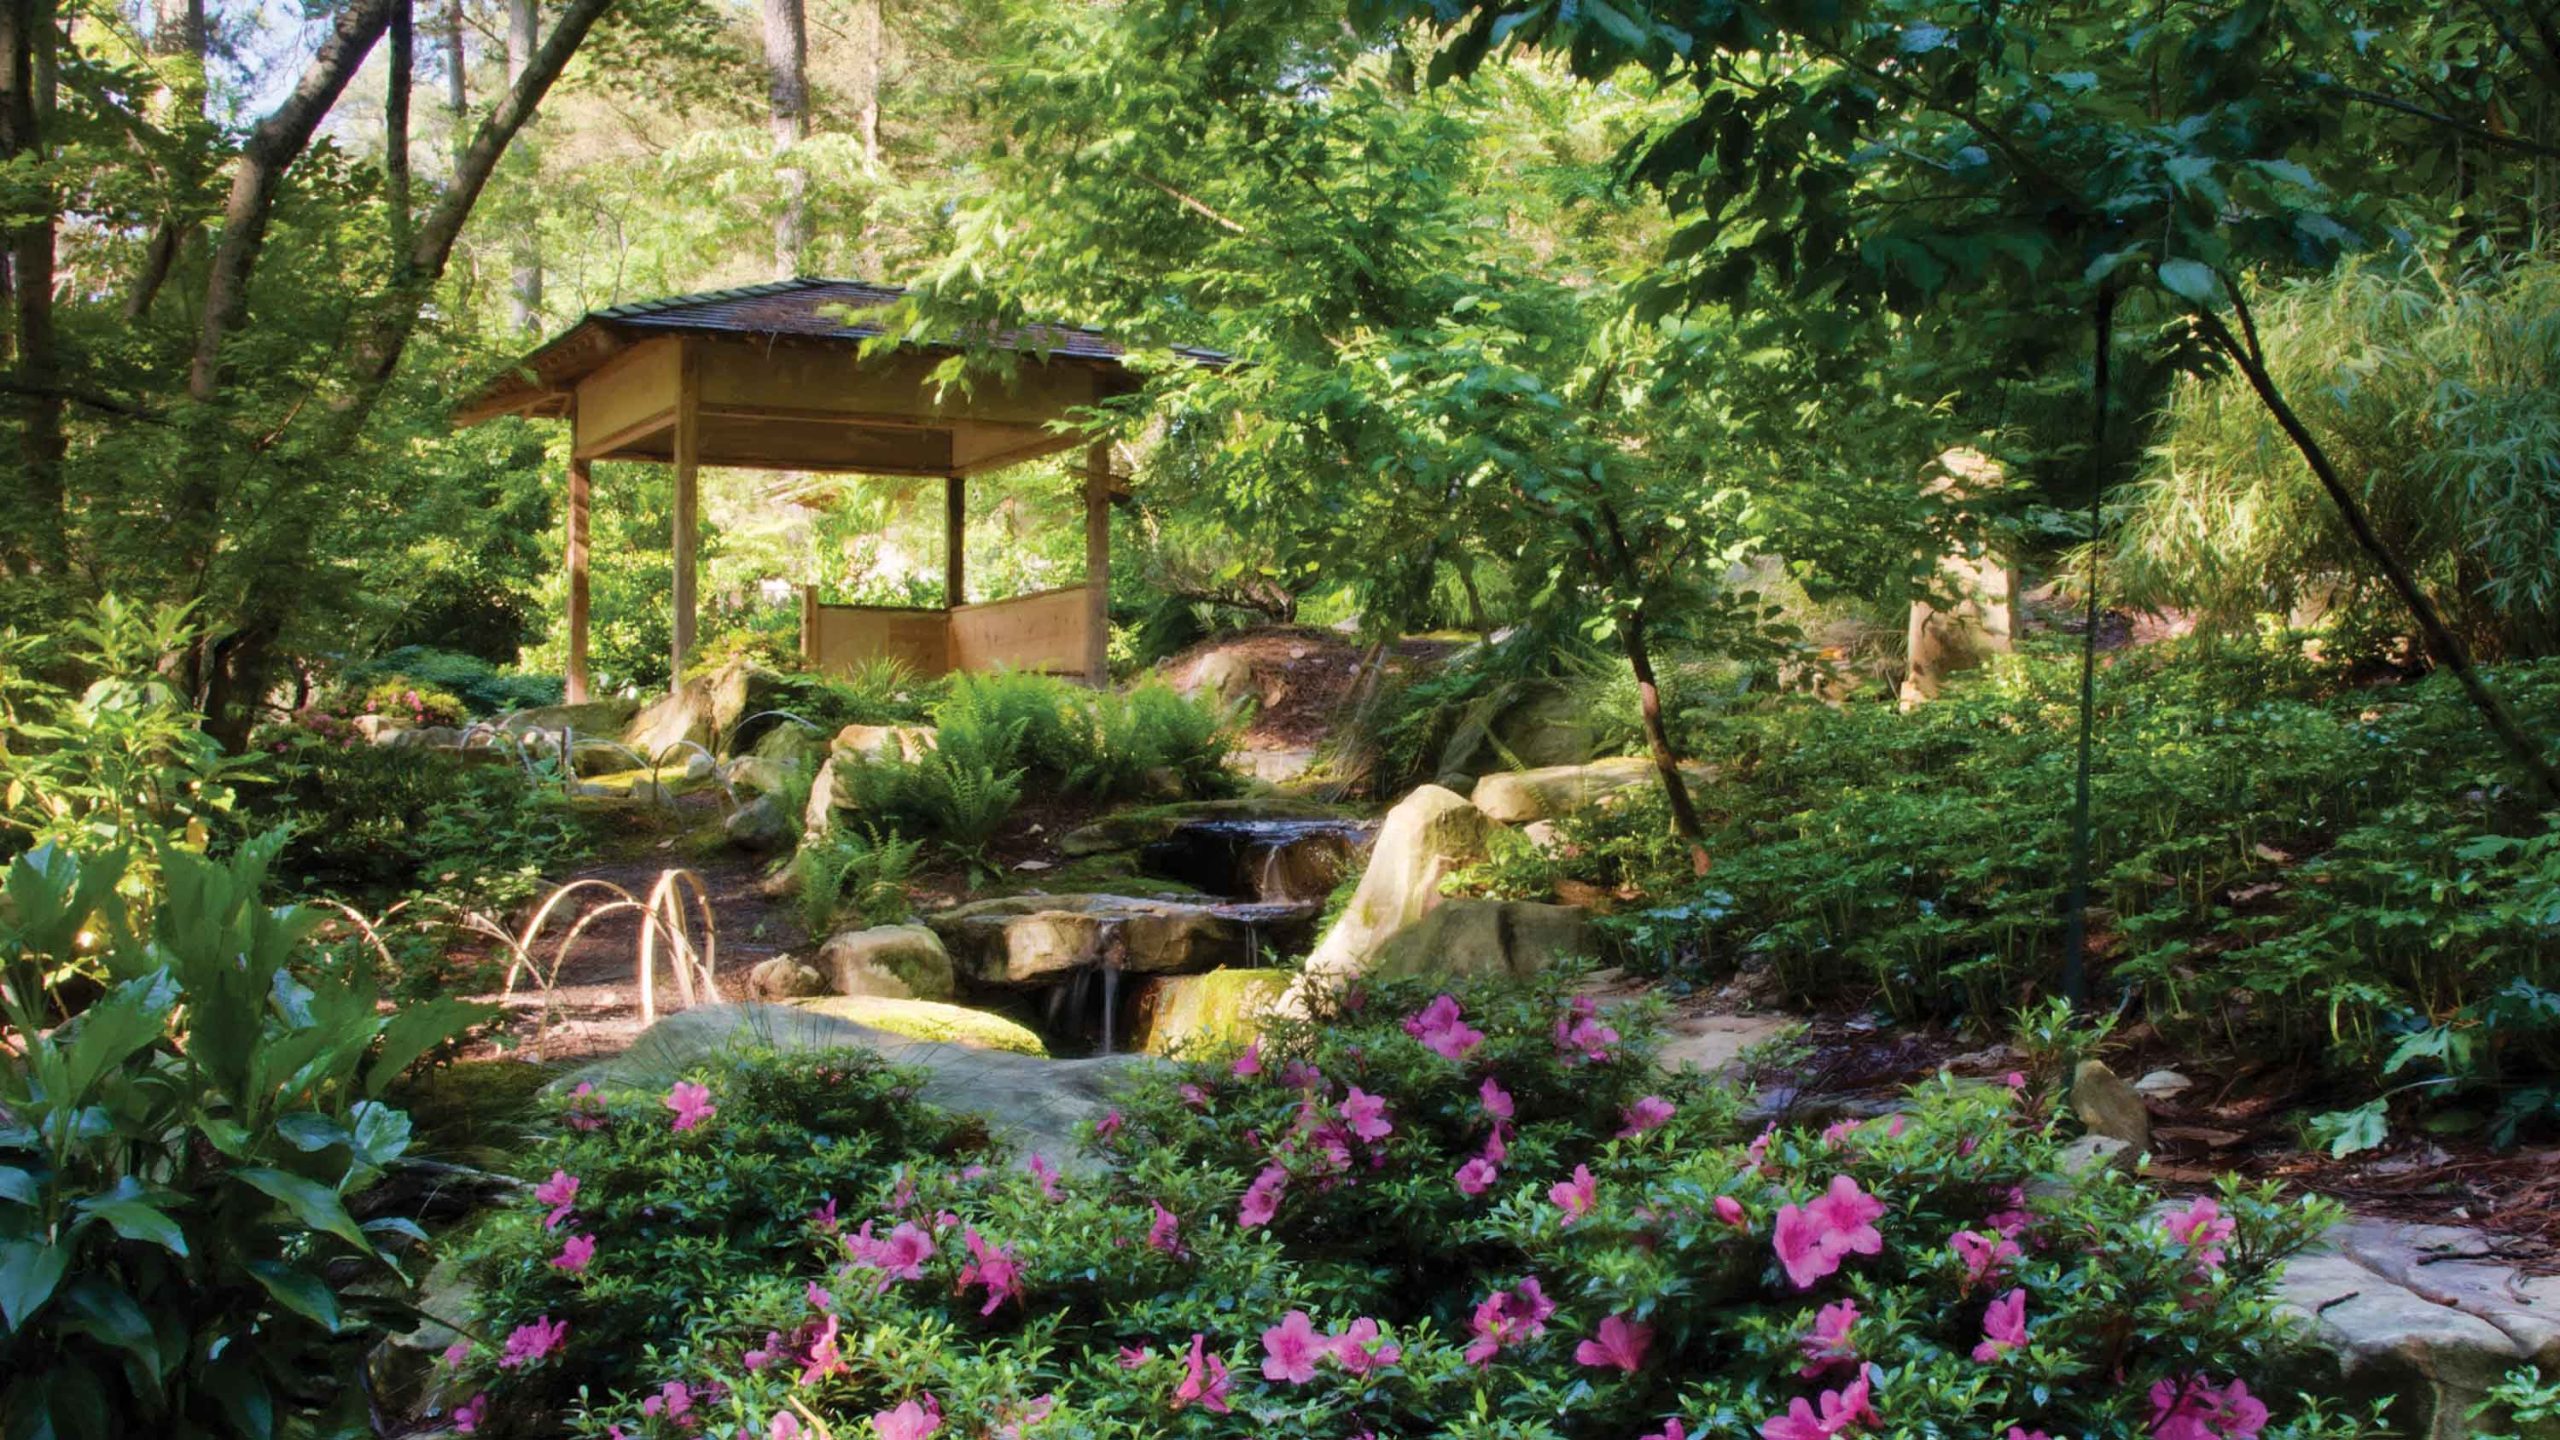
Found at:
[29, 32]
[275, 144]
[524, 284]
[457, 81]
[177, 41]
[2442, 643]
[1620, 564]
[870, 55]
[786, 68]
[395, 120]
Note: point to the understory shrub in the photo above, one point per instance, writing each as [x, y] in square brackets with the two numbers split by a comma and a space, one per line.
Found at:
[2282, 864]
[1475, 1214]
[177, 1255]
[480, 687]
[861, 873]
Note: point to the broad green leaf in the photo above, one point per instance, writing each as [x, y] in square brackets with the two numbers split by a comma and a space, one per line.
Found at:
[416, 1030]
[299, 1291]
[18, 1185]
[2189, 280]
[311, 1202]
[310, 1131]
[137, 1219]
[29, 1271]
[106, 1314]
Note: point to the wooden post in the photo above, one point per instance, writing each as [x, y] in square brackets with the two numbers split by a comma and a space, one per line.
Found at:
[955, 542]
[809, 626]
[580, 484]
[688, 524]
[1097, 564]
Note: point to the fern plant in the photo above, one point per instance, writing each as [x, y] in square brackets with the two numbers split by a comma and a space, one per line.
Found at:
[862, 873]
[968, 802]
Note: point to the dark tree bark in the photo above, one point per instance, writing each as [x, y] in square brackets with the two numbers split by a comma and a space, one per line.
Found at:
[457, 79]
[29, 32]
[1617, 558]
[786, 69]
[178, 42]
[395, 120]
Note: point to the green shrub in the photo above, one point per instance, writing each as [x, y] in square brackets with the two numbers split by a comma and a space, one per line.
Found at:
[1626, 1261]
[862, 873]
[483, 688]
[414, 702]
[176, 1252]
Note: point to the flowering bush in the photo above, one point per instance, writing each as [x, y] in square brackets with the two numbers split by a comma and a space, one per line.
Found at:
[1477, 1214]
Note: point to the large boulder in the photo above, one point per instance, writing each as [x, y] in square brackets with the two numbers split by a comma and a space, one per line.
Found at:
[932, 1020]
[421, 737]
[1028, 940]
[2420, 1313]
[1430, 834]
[1545, 726]
[900, 962]
[1043, 1106]
[680, 717]
[1191, 1014]
[1979, 587]
[742, 691]
[1487, 938]
[760, 827]
[758, 774]
[608, 716]
[1519, 797]
[786, 977]
[909, 743]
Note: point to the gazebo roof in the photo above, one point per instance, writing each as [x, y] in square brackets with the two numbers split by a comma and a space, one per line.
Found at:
[801, 311]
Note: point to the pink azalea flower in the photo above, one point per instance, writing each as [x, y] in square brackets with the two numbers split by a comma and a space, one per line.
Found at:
[1204, 1379]
[1812, 1239]
[826, 1356]
[1580, 1037]
[1986, 1257]
[2020, 1432]
[2015, 1080]
[2011, 1221]
[533, 1342]
[586, 1108]
[1839, 1130]
[1621, 1342]
[1108, 1126]
[1671, 1429]
[1477, 1176]
[2203, 1229]
[818, 1297]
[674, 1400]
[784, 1426]
[824, 1216]
[763, 1356]
[576, 1254]
[1508, 1318]
[899, 1257]
[1497, 1146]
[2004, 1327]
[1248, 1064]
[456, 1353]
[1829, 1343]
[2192, 1409]
[910, 1421]
[992, 1266]
[1367, 1115]
[1442, 1031]
[1045, 1175]
[691, 1104]
[1650, 1113]
[560, 1192]
[1840, 1409]
[1262, 1197]
[1131, 1357]
[1578, 1196]
[1291, 1348]
[1729, 1210]
[1495, 1099]
[1299, 1075]
[1193, 1096]
[471, 1414]
[1165, 1233]
[1362, 1348]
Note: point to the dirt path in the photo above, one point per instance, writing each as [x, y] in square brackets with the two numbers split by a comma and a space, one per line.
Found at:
[594, 1007]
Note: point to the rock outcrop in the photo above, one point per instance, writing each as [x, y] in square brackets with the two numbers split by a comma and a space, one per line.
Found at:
[1487, 939]
[1427, 836]
[1521, 797]
[1028, 940]
[898, 962]
[1182, 1014]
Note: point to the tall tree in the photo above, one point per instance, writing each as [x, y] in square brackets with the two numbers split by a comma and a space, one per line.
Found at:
[870, 52]
[524, 283]
[30, 34]
[177, 49]
[786, 68]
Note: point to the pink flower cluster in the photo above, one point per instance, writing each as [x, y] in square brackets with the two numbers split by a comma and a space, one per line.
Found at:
[900, 1255]
[1507, 1318]
[691, 1104]
[1813, 1239]
[1292, 1348]
[1580, 1037]
[533, 1342]
[1836, 1411]
[1620, 1344]
[2194, 1409]
[1443, 1030]
[912, 1420]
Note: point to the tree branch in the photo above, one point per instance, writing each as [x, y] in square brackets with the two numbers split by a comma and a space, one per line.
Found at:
[2460, 127]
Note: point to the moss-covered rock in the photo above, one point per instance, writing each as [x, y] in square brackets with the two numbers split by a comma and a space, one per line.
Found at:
[896, 962]
[1189, 1014]
[930, 1020]
[673, 779]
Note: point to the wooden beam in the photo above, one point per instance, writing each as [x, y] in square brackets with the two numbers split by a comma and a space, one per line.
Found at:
[580, 485]
[1097, 564]
[955, 542]
[688, 524]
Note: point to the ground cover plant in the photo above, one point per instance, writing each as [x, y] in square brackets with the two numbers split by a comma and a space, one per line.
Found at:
[2287, 863]
[1472, 1213]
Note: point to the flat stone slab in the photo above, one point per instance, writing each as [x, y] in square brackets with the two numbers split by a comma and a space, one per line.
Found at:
[1712, 1045]
[1517, 797]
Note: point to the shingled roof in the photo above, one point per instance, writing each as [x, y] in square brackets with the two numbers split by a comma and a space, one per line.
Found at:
[803, 309]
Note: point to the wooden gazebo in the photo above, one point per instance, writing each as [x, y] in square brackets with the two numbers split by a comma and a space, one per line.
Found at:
[771, 377]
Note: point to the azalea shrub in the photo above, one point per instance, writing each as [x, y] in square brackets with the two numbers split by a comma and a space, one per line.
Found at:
[1473, 1213]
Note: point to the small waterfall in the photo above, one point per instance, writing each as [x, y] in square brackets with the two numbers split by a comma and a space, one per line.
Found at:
[1110, 1000]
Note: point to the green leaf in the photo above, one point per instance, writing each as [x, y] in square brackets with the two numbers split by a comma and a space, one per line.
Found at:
[136, 1219]
[416, 1030]
[109, 1316]
[2346, 1132]
[381, 1133]
[310, 1131]
[311, 1202]
[299, 1291]
[17, 1185]
[29, 1271]
[2190, 280]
